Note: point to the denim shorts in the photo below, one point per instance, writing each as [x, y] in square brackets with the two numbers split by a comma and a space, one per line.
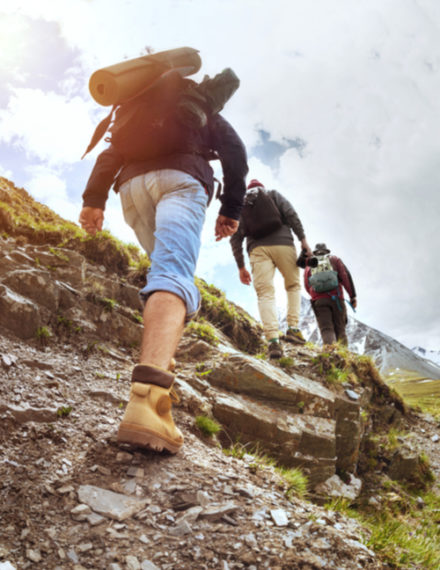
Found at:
[166, 209]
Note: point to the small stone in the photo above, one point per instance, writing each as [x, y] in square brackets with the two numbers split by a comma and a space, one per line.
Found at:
[109, 503]
[352, 395]
[94, 519]
[144, 539]
[7, 360]
[217, 511]
[135, 472]
[129, 486]
[190, 515]
[85, 547]
[33, 555]
[203, 498]
[435, 438]
[114, 566]
[132, 563]
[6, 566]
[148, 565]
[279, 517]
[124, 457]
[65, 489]
[72, 555]
[81, 510]
[181, 529]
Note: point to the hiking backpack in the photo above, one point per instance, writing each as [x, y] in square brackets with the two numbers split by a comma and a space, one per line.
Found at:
[323, 278]
[166, 117]
[260, 215]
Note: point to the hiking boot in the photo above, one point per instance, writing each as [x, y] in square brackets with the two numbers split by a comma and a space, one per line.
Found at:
[294, 335]
[275, 350]
[147, 421]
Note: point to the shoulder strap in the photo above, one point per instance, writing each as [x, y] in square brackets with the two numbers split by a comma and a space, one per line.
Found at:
[100, 131]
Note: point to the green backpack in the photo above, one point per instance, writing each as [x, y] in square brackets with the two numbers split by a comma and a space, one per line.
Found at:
[323, 278]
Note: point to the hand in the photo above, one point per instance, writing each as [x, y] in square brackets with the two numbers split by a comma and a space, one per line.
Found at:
[354, 302]
[225, 227]
[91, 219]
[245, 276]
[306, 246]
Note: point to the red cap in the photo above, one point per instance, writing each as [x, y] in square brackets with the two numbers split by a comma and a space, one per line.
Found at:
[254, 182]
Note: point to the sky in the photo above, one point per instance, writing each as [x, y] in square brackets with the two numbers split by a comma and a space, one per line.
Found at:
[338, 107]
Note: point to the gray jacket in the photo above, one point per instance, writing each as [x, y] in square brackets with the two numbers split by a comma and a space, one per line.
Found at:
[282, 236]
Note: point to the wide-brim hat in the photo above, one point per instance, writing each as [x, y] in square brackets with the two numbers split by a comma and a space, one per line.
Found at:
[320, 248]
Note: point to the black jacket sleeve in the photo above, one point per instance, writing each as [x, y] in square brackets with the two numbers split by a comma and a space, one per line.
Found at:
[236, 242]
[233, 158]
[106, 168]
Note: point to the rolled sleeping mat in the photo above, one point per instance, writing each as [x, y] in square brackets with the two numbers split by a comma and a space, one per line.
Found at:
[116, 83]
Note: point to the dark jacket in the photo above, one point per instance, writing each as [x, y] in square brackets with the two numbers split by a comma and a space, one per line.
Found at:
[218, 135]
[282, 236]
[344, 278]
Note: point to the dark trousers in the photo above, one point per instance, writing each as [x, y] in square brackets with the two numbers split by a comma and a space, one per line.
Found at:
[331, 316]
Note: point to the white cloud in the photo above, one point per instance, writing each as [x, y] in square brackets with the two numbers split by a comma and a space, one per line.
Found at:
[47, 126]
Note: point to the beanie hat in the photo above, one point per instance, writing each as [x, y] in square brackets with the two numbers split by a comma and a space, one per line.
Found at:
[254, 182]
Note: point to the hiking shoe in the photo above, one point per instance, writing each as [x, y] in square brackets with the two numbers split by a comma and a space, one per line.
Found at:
[147, 421]
[275, 350]
[294, 335]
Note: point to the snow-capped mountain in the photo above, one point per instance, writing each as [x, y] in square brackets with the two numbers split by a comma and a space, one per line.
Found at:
[432, 355]
[388, 353]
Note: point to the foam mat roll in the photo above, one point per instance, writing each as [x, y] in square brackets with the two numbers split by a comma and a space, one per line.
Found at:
[116, 83]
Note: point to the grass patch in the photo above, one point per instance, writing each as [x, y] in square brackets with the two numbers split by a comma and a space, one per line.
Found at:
[64, 411]
[207, 426]
[203, 330]
[417, 391]
[286, 362]
[404, 531]
[297, 482]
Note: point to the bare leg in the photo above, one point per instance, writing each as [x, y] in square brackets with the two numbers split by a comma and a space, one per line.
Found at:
[164, 318]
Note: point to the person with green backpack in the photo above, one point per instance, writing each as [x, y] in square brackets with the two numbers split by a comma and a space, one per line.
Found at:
[325, 277]
[267, 221]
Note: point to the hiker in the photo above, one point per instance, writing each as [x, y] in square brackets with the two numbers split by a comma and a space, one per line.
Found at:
[164, 194]
[325, 276]
[267, 221]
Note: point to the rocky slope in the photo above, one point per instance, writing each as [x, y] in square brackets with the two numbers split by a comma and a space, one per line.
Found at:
[70, 497]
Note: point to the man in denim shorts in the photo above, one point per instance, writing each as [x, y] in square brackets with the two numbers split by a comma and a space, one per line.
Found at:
[164, 199]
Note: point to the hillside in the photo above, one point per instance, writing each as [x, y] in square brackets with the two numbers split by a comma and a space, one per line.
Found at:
[316, 462]
[387, 353]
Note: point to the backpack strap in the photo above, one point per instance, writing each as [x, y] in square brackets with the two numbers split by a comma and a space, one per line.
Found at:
[100, 131]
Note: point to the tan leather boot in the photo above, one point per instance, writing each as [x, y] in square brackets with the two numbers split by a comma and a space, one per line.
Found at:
[147, 421]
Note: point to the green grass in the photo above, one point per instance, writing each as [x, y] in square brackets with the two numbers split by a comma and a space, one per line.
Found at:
[207, 426]
[203, 330]
[417, 391]
[297, 482]
[401, 533]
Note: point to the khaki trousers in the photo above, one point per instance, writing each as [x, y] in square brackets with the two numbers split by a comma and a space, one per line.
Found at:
[264, 260]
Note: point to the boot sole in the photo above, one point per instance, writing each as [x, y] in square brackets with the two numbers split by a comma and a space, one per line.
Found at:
[143, 437]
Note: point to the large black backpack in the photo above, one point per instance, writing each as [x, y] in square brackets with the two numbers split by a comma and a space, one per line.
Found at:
[147, 125]
[167, 117]
[260, 215]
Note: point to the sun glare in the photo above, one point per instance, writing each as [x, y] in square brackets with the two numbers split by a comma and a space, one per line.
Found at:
[14, 31]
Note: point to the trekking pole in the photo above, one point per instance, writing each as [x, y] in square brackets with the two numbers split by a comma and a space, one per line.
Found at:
[354, 310]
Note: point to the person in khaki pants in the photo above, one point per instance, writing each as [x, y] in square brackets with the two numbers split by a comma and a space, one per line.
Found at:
[269, 242]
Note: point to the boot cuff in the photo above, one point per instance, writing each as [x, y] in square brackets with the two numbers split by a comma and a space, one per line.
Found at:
[146, 374]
